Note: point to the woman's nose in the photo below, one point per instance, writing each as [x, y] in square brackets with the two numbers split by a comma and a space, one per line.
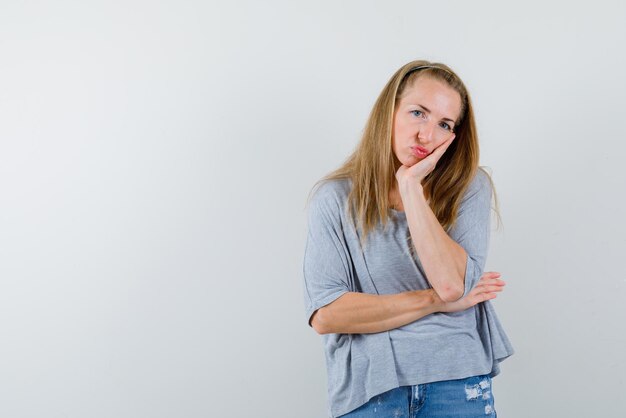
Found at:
[426, 132]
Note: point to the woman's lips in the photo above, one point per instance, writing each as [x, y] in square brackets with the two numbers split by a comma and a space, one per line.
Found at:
[420, 152]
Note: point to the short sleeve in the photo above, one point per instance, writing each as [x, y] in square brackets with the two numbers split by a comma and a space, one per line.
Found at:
[473, 227]
[327, 266]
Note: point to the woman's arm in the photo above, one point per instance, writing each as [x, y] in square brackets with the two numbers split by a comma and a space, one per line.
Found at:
[363, 313]
[443, 260]
[452, 262]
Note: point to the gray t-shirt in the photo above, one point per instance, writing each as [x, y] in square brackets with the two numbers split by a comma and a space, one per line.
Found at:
[440, 346]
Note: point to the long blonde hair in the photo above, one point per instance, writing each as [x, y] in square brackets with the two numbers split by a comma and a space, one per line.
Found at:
[372, 166]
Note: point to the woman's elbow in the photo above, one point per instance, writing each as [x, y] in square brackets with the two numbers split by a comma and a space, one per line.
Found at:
[318, 323]
[451, 293]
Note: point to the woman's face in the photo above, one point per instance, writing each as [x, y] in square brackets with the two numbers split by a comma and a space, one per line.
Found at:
[424, 119]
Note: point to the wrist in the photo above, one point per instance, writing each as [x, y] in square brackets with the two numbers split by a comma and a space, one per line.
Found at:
[434, 302]
[410, 188]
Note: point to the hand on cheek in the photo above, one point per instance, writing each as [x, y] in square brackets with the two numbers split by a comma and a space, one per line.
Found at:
[410, 176]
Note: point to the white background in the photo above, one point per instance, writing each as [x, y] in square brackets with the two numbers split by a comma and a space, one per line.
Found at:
[155, 161]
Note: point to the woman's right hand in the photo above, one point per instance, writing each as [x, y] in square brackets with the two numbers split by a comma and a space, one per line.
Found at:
[487, 288]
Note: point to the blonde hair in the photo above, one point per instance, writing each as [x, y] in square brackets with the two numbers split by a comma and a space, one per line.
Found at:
[372, 166]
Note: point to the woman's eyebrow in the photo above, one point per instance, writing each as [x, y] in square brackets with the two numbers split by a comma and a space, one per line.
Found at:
[428, 110]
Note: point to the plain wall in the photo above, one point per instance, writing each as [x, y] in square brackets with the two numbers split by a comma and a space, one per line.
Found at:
[156, 157]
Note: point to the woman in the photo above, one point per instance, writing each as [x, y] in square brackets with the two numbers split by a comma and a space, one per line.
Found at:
[397, 242]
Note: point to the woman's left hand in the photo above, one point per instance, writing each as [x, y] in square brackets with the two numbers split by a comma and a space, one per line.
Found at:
[410, 177]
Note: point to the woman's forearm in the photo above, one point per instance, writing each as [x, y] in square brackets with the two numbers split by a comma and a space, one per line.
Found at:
[364, 313]
[443, 259]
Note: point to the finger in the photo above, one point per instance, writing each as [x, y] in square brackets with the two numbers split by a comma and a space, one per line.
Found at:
[438, 152]
[491, 274]
[483, 297]
[496, 283]
[434, 156]
[487, 280]
[489, 289]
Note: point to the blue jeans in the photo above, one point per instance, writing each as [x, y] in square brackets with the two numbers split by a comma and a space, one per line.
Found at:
[463, 398]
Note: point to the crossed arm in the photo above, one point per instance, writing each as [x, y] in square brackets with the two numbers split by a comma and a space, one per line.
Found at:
[363, 313]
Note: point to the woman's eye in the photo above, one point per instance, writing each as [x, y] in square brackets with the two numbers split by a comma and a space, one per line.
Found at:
[417, 113]
[445, 126]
